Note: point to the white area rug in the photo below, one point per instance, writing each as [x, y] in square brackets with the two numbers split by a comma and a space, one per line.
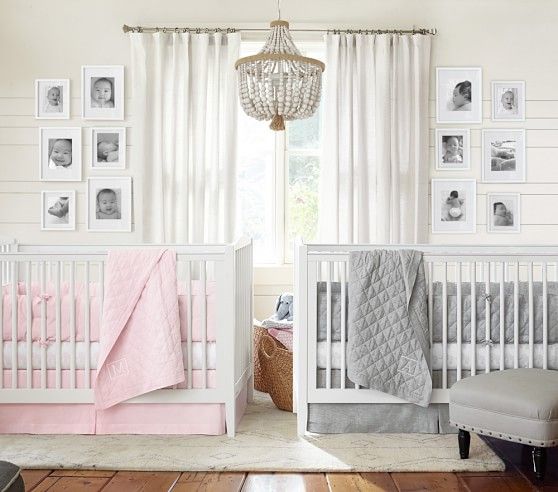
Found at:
[266, 441]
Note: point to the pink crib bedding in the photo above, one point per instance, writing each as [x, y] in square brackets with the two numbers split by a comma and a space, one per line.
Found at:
[136, 418]
[48, 297]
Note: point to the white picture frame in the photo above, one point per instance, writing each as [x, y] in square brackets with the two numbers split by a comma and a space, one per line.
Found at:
[454, 206]
[108, 148]
[503, 156]
[503, 213]
[102, 92]
[459, 95]
[453, 149]
[508, 100]
[58, 210]
[109, 204]
[60, 154]
[52, 99]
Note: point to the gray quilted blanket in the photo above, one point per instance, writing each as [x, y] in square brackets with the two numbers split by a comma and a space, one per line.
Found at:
[388, 325]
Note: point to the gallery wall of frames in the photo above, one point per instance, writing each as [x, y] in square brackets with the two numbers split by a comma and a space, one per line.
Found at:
[108, 204]
[459, 104]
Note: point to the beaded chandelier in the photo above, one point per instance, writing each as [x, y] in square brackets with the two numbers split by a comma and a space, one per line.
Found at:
[279, 83]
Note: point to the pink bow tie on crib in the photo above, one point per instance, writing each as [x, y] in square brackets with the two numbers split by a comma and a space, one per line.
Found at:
[42, 297]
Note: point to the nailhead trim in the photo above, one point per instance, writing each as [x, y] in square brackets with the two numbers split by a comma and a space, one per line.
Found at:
[514, 439]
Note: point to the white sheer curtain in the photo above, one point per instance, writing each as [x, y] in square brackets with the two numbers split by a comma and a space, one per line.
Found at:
[374, 183]
[184, 110]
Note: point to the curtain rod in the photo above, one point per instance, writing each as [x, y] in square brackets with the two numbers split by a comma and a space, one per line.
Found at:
[143, 29]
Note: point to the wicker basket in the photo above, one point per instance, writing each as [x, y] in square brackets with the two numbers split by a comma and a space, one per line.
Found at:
[277, 368]
[260, 381]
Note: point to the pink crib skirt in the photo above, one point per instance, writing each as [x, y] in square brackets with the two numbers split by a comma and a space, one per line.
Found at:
[132, 418]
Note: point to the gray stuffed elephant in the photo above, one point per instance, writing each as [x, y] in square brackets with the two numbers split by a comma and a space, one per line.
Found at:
[284, 308]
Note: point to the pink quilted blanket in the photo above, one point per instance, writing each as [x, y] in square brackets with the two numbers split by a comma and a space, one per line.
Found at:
[140, 330]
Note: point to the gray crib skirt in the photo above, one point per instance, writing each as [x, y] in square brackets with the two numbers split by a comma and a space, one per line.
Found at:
[339, 418]
[393, 418]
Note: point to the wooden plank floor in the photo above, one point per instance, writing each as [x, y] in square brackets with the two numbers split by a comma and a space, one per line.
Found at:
[517, 477]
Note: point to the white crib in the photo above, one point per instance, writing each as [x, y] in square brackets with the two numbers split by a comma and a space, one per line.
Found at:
[228, 267]
[460, 265]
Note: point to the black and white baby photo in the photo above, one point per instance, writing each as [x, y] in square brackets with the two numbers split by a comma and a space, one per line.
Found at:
[502, 213]
[507, 101]
[59, 153]
[452, 149]
[461, 96]
[107, 147]
[52, 99]
[452, 205]
[58, 210]
[502, 155]
[108, 204]
[102, 92]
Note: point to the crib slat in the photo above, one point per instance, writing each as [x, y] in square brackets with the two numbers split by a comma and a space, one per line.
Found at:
[72, 307]
[430, 308]
[487, 308]
[328, 324]
[58, 326]
[29, 326]
[87, 328]
[189, 321]
[13, 274]
[43, 326]
[445, 327]
[343, 268]
[502, 318]
[204, 323]
[516, 317]
[473, 318]
[459, 318]
[531, 317]
[545, 314]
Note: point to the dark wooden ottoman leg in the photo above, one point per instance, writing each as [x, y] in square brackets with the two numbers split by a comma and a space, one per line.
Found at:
[539, 462]
[464, 439]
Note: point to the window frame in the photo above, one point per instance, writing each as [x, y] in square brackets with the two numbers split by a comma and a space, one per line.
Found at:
[283, 255]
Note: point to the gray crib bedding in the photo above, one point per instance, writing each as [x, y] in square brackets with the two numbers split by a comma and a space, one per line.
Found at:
[337, 418]
[437, 324]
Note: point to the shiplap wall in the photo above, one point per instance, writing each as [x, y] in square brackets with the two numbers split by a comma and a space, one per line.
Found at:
[509, 39]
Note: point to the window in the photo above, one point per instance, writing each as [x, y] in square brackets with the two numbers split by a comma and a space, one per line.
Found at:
[278, 179]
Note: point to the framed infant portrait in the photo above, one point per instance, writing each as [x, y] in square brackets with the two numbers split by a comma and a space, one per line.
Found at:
[108, 148]
[102, 92]
[52, 99]
[109, 204]
[503, 156]
[503, 212]
[60, 154]
[58, 210]
[508, 100]
[454, 207]
[453, 149]
[458, 95]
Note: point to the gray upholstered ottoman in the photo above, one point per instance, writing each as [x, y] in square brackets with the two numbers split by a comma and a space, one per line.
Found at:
[10, 478]
[519, 405]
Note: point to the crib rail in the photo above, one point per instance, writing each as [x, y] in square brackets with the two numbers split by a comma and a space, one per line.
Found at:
[68, 288]
[518, 276]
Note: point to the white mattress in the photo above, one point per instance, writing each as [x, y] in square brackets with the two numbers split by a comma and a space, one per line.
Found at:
[81, 351]
[437, 360]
